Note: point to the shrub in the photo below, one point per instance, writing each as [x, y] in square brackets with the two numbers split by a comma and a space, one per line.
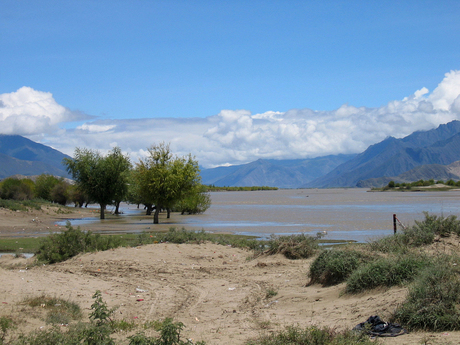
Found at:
[433, 299]
[63, 246]
[334, 266]
[386, 272]
[294, 246]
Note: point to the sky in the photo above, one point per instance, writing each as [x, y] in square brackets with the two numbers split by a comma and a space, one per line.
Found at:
[227, 81]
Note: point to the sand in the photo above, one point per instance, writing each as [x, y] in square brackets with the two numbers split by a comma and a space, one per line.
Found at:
[218, 292]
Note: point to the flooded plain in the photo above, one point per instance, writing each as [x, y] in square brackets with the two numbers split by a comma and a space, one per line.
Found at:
[345, 214]
[351, 214]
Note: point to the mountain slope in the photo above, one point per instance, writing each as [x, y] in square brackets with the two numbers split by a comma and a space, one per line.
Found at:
[392, 157]
[273, 173]
[19, 155]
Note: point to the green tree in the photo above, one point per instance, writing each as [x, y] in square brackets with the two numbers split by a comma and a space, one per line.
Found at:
[122, 165]
[43, 186]
[196, 201]
[99, 177]
[163, 179]
[16, 189]
[60, 192]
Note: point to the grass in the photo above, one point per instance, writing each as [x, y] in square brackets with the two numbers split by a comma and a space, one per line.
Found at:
[25, 205]
[433, 280]
[294, 335]
[386, 271]
[334, 266]
[293, 246]
[433, 300]
[98, 330]
[59, 311]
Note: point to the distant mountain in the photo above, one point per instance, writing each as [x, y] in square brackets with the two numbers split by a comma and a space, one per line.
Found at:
[19, 155]
[392, 157]
[273, 173]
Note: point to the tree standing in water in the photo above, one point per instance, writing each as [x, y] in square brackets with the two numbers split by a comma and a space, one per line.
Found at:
[103, 179]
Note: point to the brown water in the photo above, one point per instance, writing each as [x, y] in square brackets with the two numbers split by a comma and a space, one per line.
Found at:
[345, 214]
[351, 214]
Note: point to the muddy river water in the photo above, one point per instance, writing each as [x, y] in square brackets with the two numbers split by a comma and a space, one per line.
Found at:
[351, 214]
[346, 214]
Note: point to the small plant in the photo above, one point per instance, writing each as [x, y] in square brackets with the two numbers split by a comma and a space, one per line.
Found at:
[101, 312]
[169, 335]
[271, 293]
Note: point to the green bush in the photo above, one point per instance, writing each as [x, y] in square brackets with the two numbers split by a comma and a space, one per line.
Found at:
[386, 272]
[312, 336]
[334, 266]
[293, 246]
[62, 246]
[432, 303]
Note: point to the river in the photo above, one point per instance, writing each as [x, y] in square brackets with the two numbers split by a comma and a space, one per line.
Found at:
[341, 214]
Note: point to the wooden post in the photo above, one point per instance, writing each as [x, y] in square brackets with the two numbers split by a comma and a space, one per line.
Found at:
[394, 223]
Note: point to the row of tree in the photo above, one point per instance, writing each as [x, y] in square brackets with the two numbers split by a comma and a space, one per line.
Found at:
[46, 187]
[162, 181]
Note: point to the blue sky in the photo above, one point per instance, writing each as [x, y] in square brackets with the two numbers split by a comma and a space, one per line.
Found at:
[228, 81]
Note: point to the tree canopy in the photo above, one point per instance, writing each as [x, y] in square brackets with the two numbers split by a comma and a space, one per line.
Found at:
[103, 179]
[162, 179]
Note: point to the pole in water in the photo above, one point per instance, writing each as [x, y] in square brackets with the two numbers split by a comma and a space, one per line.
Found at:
[394, 223]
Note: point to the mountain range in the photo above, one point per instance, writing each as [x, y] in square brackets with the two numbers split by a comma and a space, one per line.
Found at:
[433, 154]
[21, 156]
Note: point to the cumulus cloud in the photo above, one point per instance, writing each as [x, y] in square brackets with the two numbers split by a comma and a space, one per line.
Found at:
[238, 136]
[29, 112]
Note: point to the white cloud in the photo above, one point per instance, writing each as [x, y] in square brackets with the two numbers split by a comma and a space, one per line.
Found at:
[29, 112]
[236, 136]
[95, 128]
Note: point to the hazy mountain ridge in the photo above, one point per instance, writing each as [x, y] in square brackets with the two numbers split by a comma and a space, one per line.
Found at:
[392, 157]
[19, 155]
[274, 173]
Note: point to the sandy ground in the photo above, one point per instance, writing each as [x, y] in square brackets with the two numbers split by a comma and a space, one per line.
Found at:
[216, 291]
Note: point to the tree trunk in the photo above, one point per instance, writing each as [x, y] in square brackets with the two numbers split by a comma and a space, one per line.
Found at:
[117, 207]
[168, 213]
[149, 209]
[155, 215]
[102, 211]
